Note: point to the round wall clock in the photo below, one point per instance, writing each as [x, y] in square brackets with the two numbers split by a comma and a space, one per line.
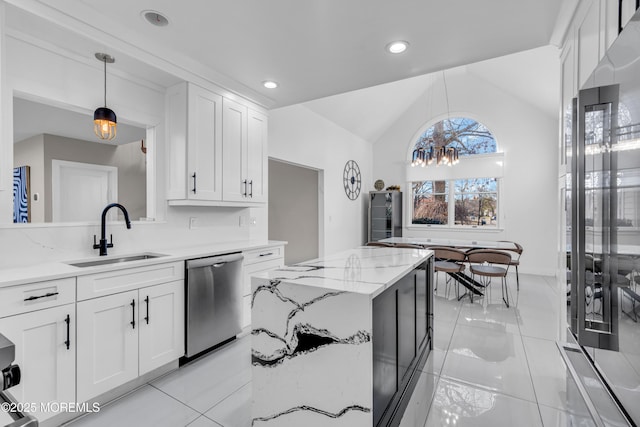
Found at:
[351, 179]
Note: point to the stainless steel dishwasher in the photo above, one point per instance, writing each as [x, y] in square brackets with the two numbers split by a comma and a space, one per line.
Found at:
[213, 301]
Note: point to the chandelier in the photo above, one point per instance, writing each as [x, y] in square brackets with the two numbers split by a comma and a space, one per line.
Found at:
[428, 152]
[424, 156]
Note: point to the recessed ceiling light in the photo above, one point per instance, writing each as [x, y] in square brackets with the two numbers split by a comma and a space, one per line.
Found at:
[155, 18]
[397, 46]
[270, 84]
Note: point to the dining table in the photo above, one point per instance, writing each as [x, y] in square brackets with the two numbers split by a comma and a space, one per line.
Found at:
[465, 280]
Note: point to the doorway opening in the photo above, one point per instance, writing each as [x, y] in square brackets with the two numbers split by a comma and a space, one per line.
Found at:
[294, 206]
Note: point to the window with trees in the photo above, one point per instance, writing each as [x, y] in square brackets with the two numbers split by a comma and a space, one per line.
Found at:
[457, 202]
[467, 135]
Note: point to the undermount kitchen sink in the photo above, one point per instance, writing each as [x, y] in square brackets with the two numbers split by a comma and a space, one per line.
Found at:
[115, 260]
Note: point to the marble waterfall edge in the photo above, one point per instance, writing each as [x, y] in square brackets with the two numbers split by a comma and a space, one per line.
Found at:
[312, 353]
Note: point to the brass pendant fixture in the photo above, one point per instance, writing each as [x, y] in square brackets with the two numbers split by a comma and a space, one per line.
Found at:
[104, 119]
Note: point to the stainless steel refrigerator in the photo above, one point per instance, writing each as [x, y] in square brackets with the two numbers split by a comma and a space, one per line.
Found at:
[604, 203]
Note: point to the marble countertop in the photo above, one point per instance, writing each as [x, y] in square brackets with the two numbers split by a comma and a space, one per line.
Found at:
[62, 269]
[365, 270]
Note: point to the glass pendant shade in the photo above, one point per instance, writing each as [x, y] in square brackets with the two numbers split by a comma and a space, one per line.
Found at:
[104, 123]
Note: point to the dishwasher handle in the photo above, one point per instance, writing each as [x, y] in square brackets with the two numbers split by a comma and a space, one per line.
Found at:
[214, 261]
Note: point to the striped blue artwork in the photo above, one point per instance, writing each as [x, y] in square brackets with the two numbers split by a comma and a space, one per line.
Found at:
[21, 194]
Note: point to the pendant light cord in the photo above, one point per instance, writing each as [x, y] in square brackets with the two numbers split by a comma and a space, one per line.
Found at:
[446, 93]
[105, 81]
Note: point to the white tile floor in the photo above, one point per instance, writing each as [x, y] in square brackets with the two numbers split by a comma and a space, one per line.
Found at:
[490, 366]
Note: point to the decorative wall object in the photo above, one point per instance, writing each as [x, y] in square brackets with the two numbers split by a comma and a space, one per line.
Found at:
[378, 185]
[21, 194]
[352, 179]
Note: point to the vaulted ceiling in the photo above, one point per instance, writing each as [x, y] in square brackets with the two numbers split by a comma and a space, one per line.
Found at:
[312, 48]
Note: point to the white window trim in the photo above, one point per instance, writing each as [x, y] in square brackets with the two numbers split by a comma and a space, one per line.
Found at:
[408, 219]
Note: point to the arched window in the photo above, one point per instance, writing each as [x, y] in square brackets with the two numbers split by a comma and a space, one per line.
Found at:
[471, 202]
[463, 133]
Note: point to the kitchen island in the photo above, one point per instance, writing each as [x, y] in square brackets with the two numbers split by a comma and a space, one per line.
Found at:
[339, 341]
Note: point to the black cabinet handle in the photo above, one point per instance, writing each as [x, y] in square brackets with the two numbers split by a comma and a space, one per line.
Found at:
[68, 341]
[194, 182]
[133, 317]
[251, 190]
[244, 182]
[50, 294]
[267, 254]
[147, 301]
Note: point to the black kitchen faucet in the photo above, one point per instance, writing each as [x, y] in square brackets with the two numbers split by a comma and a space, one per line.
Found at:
[103, 245]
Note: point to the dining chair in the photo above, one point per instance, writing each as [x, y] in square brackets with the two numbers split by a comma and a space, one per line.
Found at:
[489, 263]
[515, 259]
[448, 260]
[382, 244]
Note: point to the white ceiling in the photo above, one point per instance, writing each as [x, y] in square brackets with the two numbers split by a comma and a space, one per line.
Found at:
[312, 48]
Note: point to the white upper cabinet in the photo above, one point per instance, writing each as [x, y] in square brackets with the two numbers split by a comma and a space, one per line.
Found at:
[217, 149]
[627, 9]
[588, 38]
[257, 156]
[234, 135]
[609, 25]
[204, 144]
[194, 139]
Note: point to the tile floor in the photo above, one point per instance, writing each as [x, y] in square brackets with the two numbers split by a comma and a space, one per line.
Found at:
[490, 366]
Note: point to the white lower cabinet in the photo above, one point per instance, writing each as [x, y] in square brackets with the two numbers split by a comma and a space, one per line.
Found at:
[161, 316]
[107, 343]
[256, 262]
[128, 334]
[46, 354]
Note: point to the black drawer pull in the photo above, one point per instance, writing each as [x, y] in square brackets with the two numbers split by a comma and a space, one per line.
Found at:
[244, 182]
[133, 317]
[194, 182]
[251, 188]
[267, 254]
[68, 341]
[50, 294]
[147, 301]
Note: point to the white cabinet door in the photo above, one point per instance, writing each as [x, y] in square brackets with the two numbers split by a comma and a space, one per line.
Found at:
[161, 319]
[248, 271]
[588, 41]
[234, 137]
[257, 156]
[46, 362]
[204, 144]
[107, 343]
[627, 9]
[609, 24]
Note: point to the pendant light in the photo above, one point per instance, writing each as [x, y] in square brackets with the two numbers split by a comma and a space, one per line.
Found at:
[104, 119]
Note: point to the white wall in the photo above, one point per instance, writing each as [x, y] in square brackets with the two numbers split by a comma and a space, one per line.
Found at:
[526, 134]
[300, 136]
